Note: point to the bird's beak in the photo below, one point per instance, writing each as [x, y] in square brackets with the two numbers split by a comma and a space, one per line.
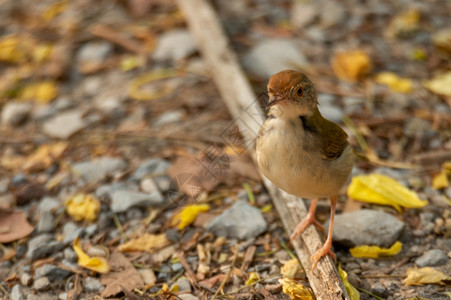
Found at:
[275, 99]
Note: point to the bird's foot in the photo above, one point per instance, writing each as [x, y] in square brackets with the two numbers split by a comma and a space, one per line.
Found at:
[323, 251]
[302, 226]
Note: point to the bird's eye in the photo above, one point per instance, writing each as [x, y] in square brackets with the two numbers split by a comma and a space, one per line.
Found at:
[300, 91]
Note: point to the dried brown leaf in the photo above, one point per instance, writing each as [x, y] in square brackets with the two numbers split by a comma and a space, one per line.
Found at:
[13, 226]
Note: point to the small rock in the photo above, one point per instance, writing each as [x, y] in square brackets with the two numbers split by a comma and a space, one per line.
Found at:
[48, 204]
[366, 227]
[15, 113]
[106, 190]
[240, 221]
[110, 104]
[62, 296]
[153, 167]
[169, 117]
[303, 13]
[123, 199]
[187, 297]
[97, 251]
[70, 255]
[98, 169]
[91, 230]
[148, 276]
[37, 243]
[41, 284]
[94, 52]
[434, 257]
[331, 13]
[17, 293]
[273, 55]
[41, 296]
[64, 124]
[183, 284]
[92, 285]
[46, 222]
[25, 279]
[174, 45]
[70, 232]
[380, 290]
[51, 272]
[148, 186]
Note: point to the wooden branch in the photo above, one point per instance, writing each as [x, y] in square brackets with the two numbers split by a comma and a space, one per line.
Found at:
[240, 100]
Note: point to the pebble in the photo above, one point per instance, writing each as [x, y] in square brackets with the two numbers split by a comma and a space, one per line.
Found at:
[52, 272]
[111, 105]
[153, 168]
[303, 13]
[70, 232]
[42, 296]
[380, 290]
[148, 185]
[98, 169]
[94, 52]
[48, 204]
[174, 45]
[26, 279]
[92, 284]
[46, 222]
[70, 255]
[148, 276]
[122, 200]
[366, 227]
[434, 257]
[331, 13]
[91, 230]
[64, 124]
[170, 117]
[15, 113]
[187, 297]
[97, 251]
[17, 293]
[41, 284]
[36, 244]
[241, 221]
[183, 284]
[273, 55]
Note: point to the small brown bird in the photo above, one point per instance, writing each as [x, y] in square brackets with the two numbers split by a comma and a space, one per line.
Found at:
[300, 151]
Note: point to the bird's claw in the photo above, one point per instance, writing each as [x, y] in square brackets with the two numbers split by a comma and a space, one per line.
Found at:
[325, 250]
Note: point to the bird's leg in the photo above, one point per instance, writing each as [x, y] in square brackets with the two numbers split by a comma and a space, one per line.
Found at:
[328, 244]
[309, 219]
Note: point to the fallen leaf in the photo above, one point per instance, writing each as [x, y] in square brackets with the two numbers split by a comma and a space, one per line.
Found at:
[122, 275]
[352, 291]
[204, 255]
[13, 226]
[442, 41]
[146, 243]
[295, 290]
[43, 92]
[253, 277]
[381, 189]
[29, 192]
[188, 215]
[136, 90]
[83, 207]
[440, 181]
[425, 275]
[44, 156]
[440, 84]
[54, 10]
[162, 255]
[97, 264]
[396, 83]
[12, 49]
[292, 269]
[404, 24]
[351, 65]
[375, 251]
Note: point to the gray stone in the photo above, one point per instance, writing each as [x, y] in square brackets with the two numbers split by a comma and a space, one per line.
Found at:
[64, 124]
[153, 167]
[169, 117]
[46, 222]
[240, 221]
[366, 227]
[148, 276]
[92, 285]
[94, 52]
[434, 257]
[106, 190]
[124, 199]
[273, 55]
[331, 13]
[26, 279]
[52, 272]
[41, 284]
[70, 232]
[70, 255]
[62, 296]
[48, 204]
[174, 45]
[35, 243]
[187, 297]
[91, 230]
[184, 284]
[98, 169]
[17, 293]
[15, 113]
[41, 296]
[303, 13]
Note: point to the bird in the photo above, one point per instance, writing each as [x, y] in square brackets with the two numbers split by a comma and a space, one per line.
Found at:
[301, 152]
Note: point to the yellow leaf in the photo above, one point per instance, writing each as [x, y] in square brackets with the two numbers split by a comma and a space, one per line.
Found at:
[253, 277]
[267, 208]
[351, 65]
[54, 10]
[42, 52]
[296, 291]
[404, 24]
[352, 291]
[44, 156]
[83, 207]
[292, 269]
[188, 215]
[97, 264]
[43, 92]
[146, 243]
[396, 83]
[425, 275]
[440, 181]
[131, 62]
[381, 189]
[12, 50]
[440, 84]
[375, 251]
[136, 90]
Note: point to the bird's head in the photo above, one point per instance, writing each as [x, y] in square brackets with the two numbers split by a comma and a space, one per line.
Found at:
[291, 94]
